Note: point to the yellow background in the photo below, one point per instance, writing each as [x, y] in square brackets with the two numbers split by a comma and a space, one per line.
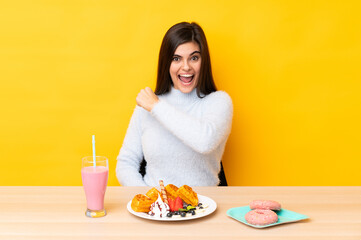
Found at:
[70, 69]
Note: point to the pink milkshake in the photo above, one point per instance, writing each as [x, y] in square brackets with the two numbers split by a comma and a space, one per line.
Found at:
[95, 181]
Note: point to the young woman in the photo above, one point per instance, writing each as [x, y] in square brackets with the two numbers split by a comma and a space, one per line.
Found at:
[181, 129]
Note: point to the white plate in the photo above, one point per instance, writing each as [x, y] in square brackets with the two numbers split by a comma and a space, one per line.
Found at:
[212, 206]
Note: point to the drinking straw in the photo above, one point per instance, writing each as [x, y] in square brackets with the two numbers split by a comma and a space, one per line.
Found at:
[94, 151]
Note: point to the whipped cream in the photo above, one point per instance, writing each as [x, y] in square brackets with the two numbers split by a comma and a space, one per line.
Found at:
[159, 208]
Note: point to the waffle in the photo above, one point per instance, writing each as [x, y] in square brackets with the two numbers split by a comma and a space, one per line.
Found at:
[171, 191]
[153, 194]
[141, 203]
[187, 194]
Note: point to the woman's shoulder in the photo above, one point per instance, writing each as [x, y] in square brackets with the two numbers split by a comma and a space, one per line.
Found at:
[219, 96]
[139, 112]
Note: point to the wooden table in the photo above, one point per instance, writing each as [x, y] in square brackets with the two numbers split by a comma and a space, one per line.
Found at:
[58, 213]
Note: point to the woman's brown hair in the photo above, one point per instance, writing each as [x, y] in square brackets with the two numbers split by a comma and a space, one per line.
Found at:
[178, 34]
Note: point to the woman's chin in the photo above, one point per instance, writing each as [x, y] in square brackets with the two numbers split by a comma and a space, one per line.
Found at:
[185, 87]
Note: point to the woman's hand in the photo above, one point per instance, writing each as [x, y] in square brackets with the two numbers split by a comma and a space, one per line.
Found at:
[147, 99]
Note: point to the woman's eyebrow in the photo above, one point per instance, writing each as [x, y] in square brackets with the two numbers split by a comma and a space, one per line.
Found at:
[176, 55]
[195, 52]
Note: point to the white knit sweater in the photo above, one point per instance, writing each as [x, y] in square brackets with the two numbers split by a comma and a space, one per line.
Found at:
[182, 139]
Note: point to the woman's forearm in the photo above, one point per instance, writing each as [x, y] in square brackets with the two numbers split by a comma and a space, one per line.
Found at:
[201, 134]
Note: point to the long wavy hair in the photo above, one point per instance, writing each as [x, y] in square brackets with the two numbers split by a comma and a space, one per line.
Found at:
[178, 34]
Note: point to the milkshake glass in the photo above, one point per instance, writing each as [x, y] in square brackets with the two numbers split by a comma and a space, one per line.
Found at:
[95, 179]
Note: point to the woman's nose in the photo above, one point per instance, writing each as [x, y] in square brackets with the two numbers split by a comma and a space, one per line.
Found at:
[185, 66]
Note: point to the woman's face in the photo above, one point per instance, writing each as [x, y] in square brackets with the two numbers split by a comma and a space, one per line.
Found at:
[185, 67]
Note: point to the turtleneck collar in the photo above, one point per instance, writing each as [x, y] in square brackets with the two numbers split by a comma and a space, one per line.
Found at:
[179, 98]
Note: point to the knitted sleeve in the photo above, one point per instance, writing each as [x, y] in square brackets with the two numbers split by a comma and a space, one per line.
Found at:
[131, 154]
[202, 134]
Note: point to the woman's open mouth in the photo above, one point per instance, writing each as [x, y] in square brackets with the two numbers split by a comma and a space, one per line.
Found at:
[186, 79]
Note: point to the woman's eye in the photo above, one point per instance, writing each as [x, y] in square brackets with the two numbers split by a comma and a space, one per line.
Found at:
[195, 58]
[176, 59]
